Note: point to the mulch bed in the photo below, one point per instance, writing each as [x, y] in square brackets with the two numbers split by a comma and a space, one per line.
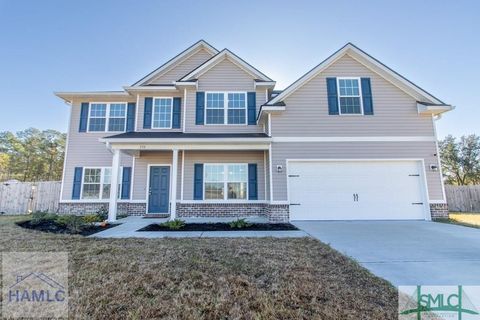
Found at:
[224, 227]
[52, 227]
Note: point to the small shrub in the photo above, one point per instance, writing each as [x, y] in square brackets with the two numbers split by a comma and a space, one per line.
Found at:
[39, 217]
[239, 224]
[74, 224]
[102, 213]
[91, 219]
[176, 224]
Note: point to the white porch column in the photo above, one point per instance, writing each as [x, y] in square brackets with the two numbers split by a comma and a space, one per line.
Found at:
[173, 201]
[112, 205]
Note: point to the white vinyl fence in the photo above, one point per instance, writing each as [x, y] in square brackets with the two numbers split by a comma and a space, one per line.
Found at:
[24, 197]
[463, 198]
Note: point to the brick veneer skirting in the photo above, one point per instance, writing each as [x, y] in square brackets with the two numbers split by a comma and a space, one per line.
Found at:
[81, 208]
[274, 213]
[439, 210]
[220, 209]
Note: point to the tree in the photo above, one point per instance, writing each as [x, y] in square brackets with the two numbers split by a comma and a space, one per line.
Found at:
[32, 155]
[461, 159]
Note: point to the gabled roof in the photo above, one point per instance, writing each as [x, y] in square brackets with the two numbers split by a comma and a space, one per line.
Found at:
[185, 53]
[225, 53]
[368, 61]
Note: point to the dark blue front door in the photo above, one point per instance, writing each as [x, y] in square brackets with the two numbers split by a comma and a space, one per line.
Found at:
[159, 189]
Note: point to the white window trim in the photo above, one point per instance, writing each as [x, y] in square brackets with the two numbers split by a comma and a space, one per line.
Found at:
[225, 109]
[107, 115]
[225, 182]
[359, 95]
[102, 175]
[171, 113]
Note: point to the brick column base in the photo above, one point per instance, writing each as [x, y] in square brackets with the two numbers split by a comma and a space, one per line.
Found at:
[278, 213]
[439, 210]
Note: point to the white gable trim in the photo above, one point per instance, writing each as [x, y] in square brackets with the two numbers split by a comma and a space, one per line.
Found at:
[184, 54]
[369, 62]
[225, 53]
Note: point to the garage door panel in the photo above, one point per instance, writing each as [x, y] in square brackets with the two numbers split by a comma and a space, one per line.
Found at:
[384, 190]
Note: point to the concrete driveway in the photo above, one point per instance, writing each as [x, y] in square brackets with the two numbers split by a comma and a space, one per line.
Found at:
[406, 252]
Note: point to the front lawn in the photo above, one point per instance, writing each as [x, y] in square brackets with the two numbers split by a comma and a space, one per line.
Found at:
[254, 278]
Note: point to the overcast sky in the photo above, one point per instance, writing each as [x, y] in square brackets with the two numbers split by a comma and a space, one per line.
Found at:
[48, 46]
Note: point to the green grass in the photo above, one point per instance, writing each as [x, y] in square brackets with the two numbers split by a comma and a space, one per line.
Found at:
[201, 278]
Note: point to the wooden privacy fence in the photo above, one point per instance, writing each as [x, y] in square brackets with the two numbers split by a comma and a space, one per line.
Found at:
[24, 197]
[463, 198]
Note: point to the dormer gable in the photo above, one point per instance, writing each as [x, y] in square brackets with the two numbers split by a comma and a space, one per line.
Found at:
[232, 58]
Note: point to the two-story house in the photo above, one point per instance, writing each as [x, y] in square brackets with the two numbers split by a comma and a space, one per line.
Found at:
[206, 135]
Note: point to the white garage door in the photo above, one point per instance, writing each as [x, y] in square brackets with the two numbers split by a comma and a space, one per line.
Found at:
[356, 190]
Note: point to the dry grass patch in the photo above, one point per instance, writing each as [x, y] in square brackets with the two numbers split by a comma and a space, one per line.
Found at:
[472, 219]
[261, 278]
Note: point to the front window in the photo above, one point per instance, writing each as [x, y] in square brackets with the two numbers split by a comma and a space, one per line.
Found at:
[215, 108]
[107, 117]
[117, 117]
[226, 108]
[97, 183]
[225, 181]
[98, 117]
[350, 99]
[162, 113]
[237, 108]
[92, 183]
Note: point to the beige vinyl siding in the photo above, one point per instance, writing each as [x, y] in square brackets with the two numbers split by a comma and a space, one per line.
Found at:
[224, 76]
[306, 114]
[354, 150]
[84, 149]
[141, 109]
[182, 68]
[192, 157]
[140, 178]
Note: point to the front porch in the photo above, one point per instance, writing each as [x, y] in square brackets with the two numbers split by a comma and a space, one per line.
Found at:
[211, 176]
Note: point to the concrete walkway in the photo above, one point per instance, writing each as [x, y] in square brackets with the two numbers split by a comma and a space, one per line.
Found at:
[129, 226]
[406, 252]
